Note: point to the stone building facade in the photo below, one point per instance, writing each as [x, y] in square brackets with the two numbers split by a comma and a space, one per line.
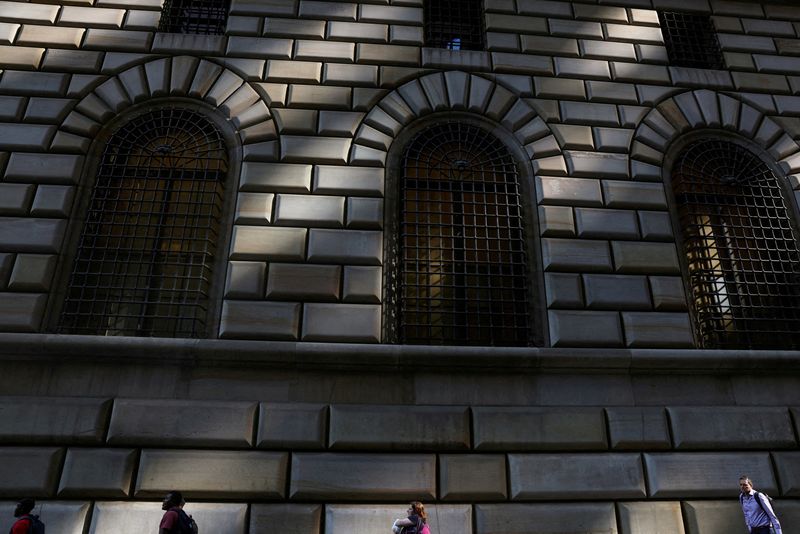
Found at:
[532, 262]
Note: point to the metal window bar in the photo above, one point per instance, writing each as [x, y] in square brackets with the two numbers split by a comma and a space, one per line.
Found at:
[463, 267]
[741, 248]
[146, 253]
[205, 17]
[454, 24]
[691, 40]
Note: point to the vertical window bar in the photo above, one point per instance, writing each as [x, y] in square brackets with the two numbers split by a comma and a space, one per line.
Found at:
[206, 17]
[454, 24]
[146, 253]
[741, 249]
[691, 40]
[462, 266]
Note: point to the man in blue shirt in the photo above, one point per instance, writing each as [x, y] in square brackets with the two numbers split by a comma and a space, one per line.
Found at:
[758, 514]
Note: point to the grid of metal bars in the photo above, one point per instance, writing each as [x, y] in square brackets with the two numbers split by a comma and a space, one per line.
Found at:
[146, 253]
[743, 261]
[454, 24]
[205, 17]
[463, 269]
[691, 40]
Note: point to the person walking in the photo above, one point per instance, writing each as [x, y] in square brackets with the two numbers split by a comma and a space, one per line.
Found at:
[26, 522]
[175, 520]
[758, 513]
[415, 523]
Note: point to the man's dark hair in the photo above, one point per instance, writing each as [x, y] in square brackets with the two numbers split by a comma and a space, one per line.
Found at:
[172, 499]
[24, 507]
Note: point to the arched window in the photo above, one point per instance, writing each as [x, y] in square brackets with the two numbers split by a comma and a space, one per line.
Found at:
[740, 246]
[146, 253]
[462, 265]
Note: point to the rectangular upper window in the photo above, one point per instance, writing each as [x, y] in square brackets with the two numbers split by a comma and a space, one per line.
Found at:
[454, 24]
[206, 17]
[691, 40]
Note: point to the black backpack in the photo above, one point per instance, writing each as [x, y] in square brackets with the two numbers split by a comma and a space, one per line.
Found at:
[186, 525]
[760, 504]
[36, 526]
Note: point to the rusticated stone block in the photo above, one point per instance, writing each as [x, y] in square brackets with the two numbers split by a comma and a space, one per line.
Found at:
[645, 258]
[529, 429]
[21, 312]
[357, 323]
[650, 518]
[138, 517]
[206, 474]
[581, 255]
[713, 517]
[345, 246]
[442, 518]
[616, 292]
[638, 428]
[472, 477]
[550, 518]
[43, 168]
[163, 422]
[303, 282]
[575, 476]
[365, 477]
[31, 471]
[728, 427]
[268, 243]
[362, 284]
[53, 420]
[26, 234]
[286, 518]
[705, 474]
[788, 468]
[59, 516]
[275, 177]
[657, 330]
[292, 426]
[366, 181]
[568, 328]
[568, 191]
[260, 320]
[91, 473]
[399, 427]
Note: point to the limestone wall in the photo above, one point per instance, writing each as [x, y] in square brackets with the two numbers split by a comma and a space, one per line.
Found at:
[316, 93]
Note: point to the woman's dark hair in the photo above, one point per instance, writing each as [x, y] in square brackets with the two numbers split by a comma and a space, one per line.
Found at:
[417, 508]
[172, 499]
[25, 506]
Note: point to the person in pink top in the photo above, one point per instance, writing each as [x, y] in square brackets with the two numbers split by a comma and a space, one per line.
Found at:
[415, 523]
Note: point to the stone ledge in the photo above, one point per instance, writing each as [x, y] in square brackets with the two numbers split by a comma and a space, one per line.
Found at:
[41, 348]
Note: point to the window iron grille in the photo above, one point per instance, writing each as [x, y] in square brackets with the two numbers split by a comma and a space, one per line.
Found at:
[205, 17]
[741, 249]
[691, 40]
[462, 266]
[454, 24]
[146, 252]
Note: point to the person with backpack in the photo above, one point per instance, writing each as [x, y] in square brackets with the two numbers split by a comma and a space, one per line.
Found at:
[27, 523]
[758, 514]
[175, 520]
[415, 523]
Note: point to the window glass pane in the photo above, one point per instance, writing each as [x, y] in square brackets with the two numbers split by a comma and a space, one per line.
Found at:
[194, 16]
[454, 24]
[463, 269]
[146, 252]
[743, 261]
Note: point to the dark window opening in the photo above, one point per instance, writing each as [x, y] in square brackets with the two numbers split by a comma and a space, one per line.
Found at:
[206, 17]
[691, 40]
[454, 24]
[146, 253]
[741, 249]
[462, 267]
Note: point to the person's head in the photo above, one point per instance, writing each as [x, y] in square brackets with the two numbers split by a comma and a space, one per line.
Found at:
[172, 500]
[745, 484]
[417, 508]
[24, 507]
